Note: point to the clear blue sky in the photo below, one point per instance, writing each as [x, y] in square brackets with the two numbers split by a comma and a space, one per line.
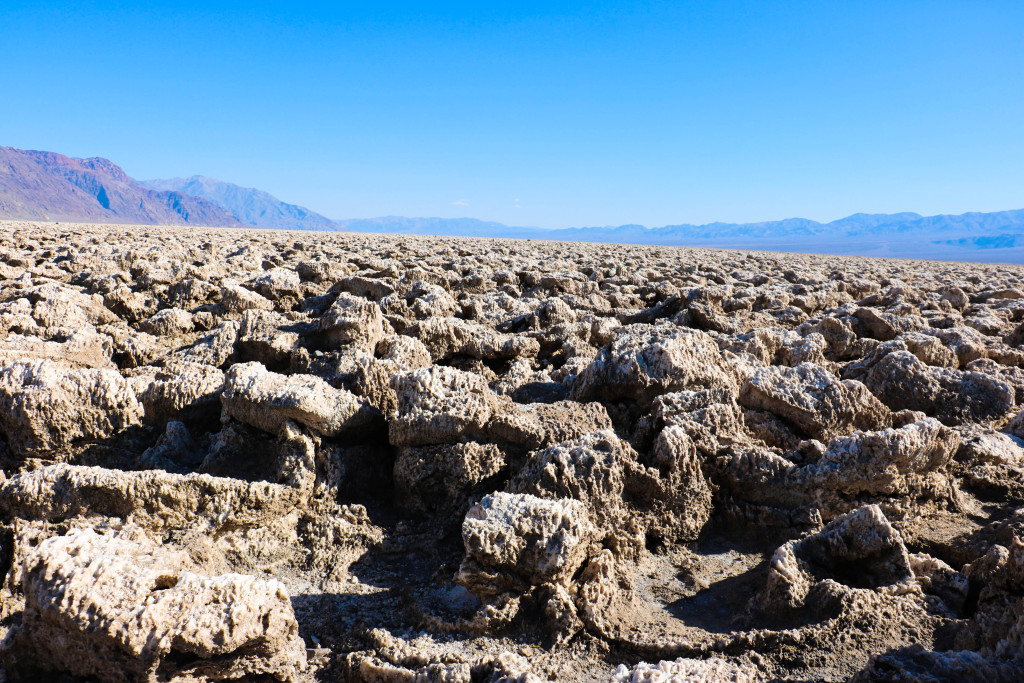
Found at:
[547, 114]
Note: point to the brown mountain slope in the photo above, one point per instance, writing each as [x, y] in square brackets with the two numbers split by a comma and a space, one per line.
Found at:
[52, 187]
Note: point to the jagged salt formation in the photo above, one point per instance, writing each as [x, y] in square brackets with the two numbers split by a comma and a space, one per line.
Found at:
[236, 454]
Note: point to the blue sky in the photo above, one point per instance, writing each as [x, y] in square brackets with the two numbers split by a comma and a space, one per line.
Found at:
[546, 114]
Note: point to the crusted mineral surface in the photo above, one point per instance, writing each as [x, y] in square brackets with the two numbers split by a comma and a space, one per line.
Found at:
[240, 455]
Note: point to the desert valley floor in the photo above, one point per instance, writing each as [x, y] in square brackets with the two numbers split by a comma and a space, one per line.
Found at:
[256, 456]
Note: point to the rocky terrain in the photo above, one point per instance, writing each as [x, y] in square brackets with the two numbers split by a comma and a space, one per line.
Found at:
[268, 456]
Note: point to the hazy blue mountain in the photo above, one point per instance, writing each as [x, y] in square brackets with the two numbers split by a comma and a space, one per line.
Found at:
[252, 206]
[49, 186]
[996, 236]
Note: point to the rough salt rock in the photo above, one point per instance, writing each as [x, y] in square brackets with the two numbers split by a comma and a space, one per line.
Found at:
[403, 353]
[644, 362]
[316, 270]
[191, 292]
[170, 322]
[441, 478]
[353, 320]
[235, 299]
[84, 348]
[967, 344]
[266, 400]
[872, 462]
[426, 300]
[916, 664]
[885, 326]
[268, 338]
[888, 466]
[278, 283]
[425, 659]
[522, 382]
[179, 390]
[122, 607]
[627, 501]
[153, 499]
[446, 337]
[858, 550]
[58, 306]
[132, 306]
[997, 628]
[840, 339]
[440, 404]
[710, 417]
[929, 350]
[991, 459]
[672, 494]
[216, 348]
[514, 541]
[812, 399]
[538, 424]
[711, 670]
[775, 346]
[901, 381]
[591, 469]
[364, 287]
[46, 405]
[1016, 425]
[926, 348]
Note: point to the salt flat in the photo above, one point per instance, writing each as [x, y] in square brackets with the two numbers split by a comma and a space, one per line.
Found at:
[232, 454]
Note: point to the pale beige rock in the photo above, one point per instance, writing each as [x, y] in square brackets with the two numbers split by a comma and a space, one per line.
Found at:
[84, 348]
[266, 400]
[601, 379]
[58, 306]
[441, 404]
[268, 337]
[46, 406]
[445, 337]
[814, 400]
[857, 550]
[215, 349]
[888, 466]
[644, 361]
[901, 381]
[711, 670]
[170, 322]
[236, 299]
[178, 390]
[153, 499]
[514, 541]
[352, 320]
[278, 283]
[123, 608]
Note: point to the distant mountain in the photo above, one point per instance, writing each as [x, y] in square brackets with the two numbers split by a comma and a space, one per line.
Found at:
[49, 186]
[857, 228]
[996, 236]
[46, 186]
[251, 206]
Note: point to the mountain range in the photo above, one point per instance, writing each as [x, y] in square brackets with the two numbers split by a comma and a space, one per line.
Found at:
[52, 187]
[249, 205]
[46, 186]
